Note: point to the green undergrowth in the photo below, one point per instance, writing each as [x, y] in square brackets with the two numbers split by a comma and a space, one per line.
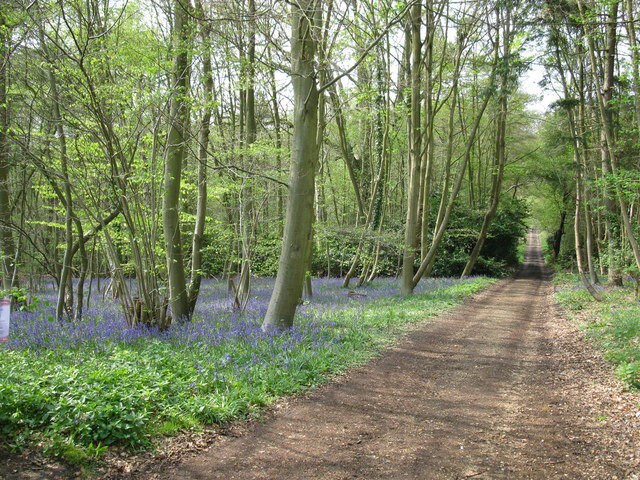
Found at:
[77, 402]
[614, 324]
[522, 248]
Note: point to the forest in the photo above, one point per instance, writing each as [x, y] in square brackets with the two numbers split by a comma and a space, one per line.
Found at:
[185, 172]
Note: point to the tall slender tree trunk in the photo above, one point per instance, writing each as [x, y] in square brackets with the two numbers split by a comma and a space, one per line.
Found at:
[415, 154]
[632, 19]
[610, 213]
[248, 130]
[174, 157]
[65, 295]
[305, 19]
[446, 208]
[251, 73]
[593, 278]
[277, 126]
[7, 246]
[203, 145]
[576, 230]
[346, 148]
[428, 149]
[84, 267]
[577, 149]
[501, 148]
[604, 94]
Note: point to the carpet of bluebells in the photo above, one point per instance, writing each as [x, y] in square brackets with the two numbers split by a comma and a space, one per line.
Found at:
[75, 387]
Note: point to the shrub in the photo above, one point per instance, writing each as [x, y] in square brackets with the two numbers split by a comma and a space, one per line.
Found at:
[499, 255]
[629, 373]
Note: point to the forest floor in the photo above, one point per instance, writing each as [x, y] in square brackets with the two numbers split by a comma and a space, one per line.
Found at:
[502, 387]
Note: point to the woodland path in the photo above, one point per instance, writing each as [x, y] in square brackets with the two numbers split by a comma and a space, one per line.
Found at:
[501, 387]
[472, 394]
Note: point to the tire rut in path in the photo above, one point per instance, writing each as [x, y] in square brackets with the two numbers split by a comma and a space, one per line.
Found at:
[465, 396]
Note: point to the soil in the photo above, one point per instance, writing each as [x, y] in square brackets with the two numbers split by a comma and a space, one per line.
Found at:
[502, 387]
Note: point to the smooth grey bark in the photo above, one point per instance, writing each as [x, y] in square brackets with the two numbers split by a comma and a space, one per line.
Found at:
[277, 126]
[174, 156]
[305, 20]
[248, 133]
[203, 145]
[7, 245]
[429, 113]
[415, 154]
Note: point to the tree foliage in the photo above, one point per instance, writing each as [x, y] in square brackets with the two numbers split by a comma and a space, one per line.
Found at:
[420, 131]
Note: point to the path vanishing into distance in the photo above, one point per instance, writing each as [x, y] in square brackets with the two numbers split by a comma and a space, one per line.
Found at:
[477, 393]
[501, 387]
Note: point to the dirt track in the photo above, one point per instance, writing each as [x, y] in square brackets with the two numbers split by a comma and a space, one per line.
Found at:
[470, 395]
[499, 388]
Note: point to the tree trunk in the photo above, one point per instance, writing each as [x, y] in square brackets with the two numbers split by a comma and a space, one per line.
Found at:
[203, 145]
[635, 61]
[346, 149]
[428, 148]
[84, 267]
[415, 155]
[578, 244]
[593, 278]
[7, 246]
[501, 153]
[604, 94]
[557, 236]
[444, 214]
[305, 17]
[251, 68]
[248, 134]
[577, 149]
[174, 156]
[64, 194]
[277, 126]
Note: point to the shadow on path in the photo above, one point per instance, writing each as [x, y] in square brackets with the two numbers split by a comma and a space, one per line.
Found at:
[466, 396]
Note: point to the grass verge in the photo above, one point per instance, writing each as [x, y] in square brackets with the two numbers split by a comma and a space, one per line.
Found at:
[614, 324]
[73, 390]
